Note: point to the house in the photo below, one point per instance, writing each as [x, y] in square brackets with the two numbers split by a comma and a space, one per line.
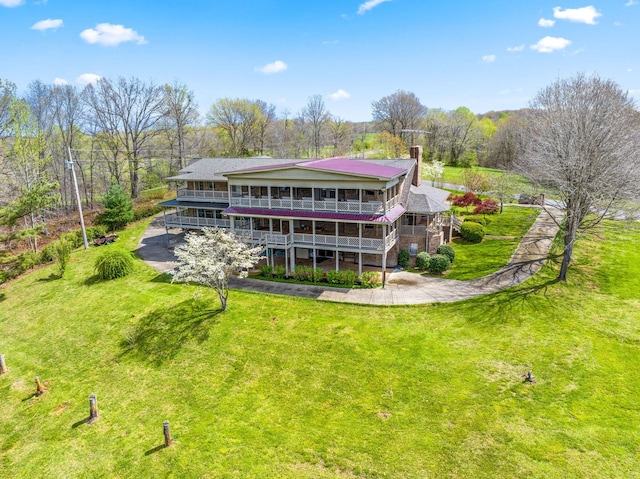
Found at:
[314, 211]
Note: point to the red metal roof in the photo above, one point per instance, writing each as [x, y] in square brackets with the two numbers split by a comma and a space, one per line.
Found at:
[338, 165]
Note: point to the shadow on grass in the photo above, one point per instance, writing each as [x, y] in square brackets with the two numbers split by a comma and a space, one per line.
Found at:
[162, 278]
[160, 335]
[3, 296]
[51, 277]
[507, 306]
[155, 449]
[86, 420]
[91, 280]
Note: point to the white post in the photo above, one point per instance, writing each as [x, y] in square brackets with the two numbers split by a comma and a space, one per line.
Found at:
[75, 184]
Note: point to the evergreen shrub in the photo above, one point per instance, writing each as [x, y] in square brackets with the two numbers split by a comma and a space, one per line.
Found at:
[113, 263]
[403, 258]
[472, 232]
[422, 260]
[448, 251]
[439, 263]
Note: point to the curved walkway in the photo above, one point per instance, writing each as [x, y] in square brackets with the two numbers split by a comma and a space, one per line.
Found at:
[402, 288]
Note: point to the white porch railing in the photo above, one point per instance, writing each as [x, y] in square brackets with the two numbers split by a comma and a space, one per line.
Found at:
[263, 237]
[349, 206]
[306, 240]
[180, 221]
[376, 244]
[184, 193]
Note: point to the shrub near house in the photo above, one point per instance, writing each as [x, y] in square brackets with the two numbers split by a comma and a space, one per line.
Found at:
[472, 232]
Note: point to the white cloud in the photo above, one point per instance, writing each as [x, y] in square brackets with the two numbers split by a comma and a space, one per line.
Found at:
[546, 22]
[489, 58]
[518, 48]
[369, 4]
[340, 95]
[110, 35]
[60, 81]
[88, 78]
[274, 67]
[550, 44]
[586, 15]
[11, 3]
[631, 3]
[47, 24]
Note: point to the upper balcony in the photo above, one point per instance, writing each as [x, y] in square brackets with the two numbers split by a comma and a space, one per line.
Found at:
[337, 200]
[206, 195]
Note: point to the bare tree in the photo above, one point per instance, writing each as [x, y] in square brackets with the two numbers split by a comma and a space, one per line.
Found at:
[238, 119]
[128, 110]
[340, 135]
[67, 114]
[399, 111]
[506, 144]
[315, 115]
[181, 113]
[7, 95]
[264, 125]
[462, 133]
[583, 142]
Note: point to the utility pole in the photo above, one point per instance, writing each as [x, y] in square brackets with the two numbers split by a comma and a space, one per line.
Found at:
[75, 184]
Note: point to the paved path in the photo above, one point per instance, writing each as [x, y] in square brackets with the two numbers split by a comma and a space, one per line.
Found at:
[402, 288]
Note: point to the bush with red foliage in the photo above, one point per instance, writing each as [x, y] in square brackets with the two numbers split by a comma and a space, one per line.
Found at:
[466, 200]
[487, 207]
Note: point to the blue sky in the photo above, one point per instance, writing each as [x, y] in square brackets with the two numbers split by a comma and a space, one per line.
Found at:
[491, 55]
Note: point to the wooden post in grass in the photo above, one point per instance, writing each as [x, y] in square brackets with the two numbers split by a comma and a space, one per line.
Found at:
[40, 387]
[93, 408]
[167, 434]
[3, 365]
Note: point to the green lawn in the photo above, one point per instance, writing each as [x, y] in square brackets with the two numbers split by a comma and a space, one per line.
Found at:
[288, 387]
[504, 232]
[455, 174]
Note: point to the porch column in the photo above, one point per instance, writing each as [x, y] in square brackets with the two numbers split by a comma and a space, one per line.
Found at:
[360, 235]
[427, 239]
[286, 261]
[384, 267]
[269, 196]
[360, 263]
[337, 200]
[293, 259]
[384, 255]
[337, 246]
[450, 227]
[313, 236]
[384, 200]
[166, 228]
[315, 264]
[232, 223]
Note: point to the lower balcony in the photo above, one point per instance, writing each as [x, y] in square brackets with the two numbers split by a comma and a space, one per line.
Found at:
[314, 240]
[181, 221]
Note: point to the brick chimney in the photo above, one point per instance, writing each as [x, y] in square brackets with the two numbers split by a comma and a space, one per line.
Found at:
[415, 152]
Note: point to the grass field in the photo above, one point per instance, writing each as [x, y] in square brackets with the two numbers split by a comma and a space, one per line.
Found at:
[296, 388]
[504, 233]
[455, 174]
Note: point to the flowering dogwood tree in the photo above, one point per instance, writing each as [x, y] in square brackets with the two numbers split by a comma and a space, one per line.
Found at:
[211, 257]
[434, 171]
